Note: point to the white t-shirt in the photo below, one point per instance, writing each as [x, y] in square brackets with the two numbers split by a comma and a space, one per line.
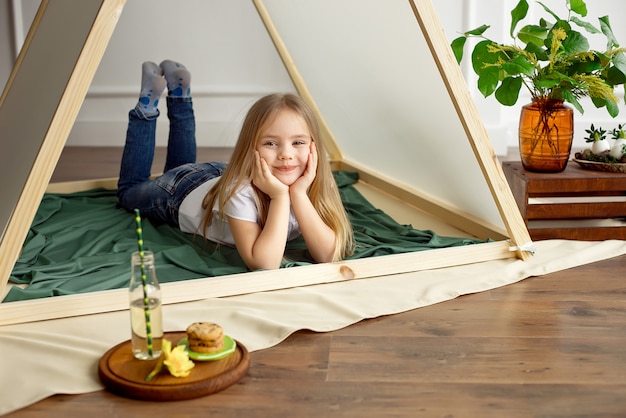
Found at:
[241, 206]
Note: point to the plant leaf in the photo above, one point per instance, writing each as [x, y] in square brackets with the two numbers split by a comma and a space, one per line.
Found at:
[578, 6]
[540, 53]
[612, 108]
[477, 31]
[598, 102]
[533, 34]
[547, 82]
[619, 62]
[482, 57]
[585, 25]
[570, 98]
[457, 48]
[565, 82]
[508, 92]
[560, 24]
[549, 11]
[519, 65]
[584, 67]
[605, 26]
[488, 81]
[615, 77]
[517, 14]
[575, 42]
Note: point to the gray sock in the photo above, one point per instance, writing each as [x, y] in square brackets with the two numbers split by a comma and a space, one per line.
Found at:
[152, 86]
[178, 78]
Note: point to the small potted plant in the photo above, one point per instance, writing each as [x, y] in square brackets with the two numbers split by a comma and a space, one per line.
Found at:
[552, 59]
[617, 149]
[597, 138]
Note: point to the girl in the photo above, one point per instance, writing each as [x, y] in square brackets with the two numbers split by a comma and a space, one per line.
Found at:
[274, 189]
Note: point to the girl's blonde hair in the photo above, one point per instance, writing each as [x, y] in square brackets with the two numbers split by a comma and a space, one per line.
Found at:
[323, 191]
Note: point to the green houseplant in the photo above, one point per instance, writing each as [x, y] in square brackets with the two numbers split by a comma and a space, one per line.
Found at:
[552, 59]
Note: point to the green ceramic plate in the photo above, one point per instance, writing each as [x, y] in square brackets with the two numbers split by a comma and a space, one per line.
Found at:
[229, 347]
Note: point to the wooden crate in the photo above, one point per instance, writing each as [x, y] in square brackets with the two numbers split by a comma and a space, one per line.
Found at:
[574, 204]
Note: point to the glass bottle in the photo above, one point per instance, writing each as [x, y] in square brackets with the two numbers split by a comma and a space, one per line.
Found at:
[145, 308]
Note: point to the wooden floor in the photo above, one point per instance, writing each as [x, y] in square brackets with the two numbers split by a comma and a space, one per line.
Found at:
[550, 346]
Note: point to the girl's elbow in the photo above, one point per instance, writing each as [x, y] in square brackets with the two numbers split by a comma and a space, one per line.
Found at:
[324, 257]
[263, 265]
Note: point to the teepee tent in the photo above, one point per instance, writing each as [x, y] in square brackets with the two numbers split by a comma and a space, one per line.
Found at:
[401, 117]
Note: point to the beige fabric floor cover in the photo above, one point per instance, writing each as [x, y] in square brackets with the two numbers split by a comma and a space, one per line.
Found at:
[61, 356]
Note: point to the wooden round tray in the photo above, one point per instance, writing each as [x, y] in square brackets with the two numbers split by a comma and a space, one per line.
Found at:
[124, 375]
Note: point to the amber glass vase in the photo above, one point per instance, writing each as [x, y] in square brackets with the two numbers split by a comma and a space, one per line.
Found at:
[546, 132]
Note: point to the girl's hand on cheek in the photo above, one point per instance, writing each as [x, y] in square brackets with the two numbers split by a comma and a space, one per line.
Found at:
[304, 182]
[263, 178]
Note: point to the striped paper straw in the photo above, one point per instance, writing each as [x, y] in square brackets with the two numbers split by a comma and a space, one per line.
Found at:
[146, 302]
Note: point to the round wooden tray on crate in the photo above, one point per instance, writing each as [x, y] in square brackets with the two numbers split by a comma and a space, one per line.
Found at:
[124, 375]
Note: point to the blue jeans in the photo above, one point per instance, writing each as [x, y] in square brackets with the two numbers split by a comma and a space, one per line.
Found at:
[159, 199]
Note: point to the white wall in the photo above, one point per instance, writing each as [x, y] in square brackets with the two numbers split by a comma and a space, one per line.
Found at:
[232, 60]
[222, 42]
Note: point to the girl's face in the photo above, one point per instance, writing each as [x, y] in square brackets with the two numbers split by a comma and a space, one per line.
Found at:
[285, 145]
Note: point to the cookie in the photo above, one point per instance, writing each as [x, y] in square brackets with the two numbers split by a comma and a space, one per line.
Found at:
[205, 337]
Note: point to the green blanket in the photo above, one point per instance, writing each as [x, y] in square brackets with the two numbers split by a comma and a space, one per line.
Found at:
[81, 242]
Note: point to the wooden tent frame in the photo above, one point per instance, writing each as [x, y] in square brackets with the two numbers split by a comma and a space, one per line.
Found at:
[514, 243]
